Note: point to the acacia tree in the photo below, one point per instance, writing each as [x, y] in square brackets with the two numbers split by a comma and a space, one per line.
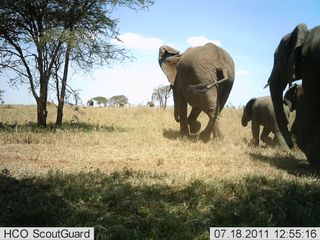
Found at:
[118, 100]
[161, 94]
[100, 100]
[39, 40]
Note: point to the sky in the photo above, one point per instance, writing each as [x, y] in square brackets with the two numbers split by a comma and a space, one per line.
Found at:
[249, 30]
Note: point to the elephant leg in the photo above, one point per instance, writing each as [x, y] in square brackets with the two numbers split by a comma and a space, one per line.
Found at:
[308, 140]
[265, 136]
[206, 133]
[213, 116]
[255, 128]
[278, 140]
[312, 153]
[294, 127]
[192, 120]
[217, 133]
[223, 93]
[184, 130]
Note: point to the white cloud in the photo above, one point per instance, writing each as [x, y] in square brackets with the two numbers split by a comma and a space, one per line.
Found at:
[135, 40]
[242, 72]
[201, 40]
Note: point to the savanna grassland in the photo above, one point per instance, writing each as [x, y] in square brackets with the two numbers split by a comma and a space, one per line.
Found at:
[127, 172]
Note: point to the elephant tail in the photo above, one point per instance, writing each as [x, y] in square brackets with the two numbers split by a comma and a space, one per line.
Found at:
[201, 87]
[197, 89]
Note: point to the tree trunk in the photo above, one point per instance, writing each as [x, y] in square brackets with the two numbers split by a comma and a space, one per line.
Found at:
[63, 88]
[42, 112]
[59, 114]
[165, 103]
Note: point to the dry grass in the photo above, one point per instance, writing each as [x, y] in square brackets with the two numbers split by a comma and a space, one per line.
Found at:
[141, 139]
[127, 172]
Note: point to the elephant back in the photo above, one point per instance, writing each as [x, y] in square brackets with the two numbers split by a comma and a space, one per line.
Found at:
[311, 45]
[203, 62]
[264, 111]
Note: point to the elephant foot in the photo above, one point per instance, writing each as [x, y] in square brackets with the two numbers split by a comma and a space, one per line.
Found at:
[195, 126]
[218, 134]
[184, 134]
[204, 136]
[313, 156]
[269, 141]
[282, 146]
[254, 143]
[184, 129]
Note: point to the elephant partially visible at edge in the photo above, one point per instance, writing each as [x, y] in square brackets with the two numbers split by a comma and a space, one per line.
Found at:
[260, 112]
[203, 77]
[293, 99]
[298, 57]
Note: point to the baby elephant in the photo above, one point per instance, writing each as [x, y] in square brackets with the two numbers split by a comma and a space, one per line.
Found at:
[260, 111]
[293, 98]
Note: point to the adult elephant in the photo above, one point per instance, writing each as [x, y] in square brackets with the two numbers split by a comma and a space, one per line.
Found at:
[261, 113]
[203, 77]
[298, 57]
[90, 103]
[292, 98]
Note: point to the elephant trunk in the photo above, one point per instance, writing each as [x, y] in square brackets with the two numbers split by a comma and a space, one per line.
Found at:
[276, 91]
[244, 121]
[176, 103]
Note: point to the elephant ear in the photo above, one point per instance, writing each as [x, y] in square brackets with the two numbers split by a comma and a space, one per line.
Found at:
[168, 61]
[296, 41]
[247, 112]
[249, 106]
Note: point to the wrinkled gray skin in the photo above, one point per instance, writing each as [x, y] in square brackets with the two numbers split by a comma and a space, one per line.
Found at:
[203, 77]
[261, 113]
[293, 99]
[298, 57]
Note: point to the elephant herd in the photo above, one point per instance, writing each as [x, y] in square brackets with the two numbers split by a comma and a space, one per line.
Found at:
[203, 78]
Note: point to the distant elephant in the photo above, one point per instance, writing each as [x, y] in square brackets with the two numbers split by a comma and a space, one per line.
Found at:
[260, 111]
[150, 104]
[298, 57]
[90, 103]
[203, 77]
[293, 99]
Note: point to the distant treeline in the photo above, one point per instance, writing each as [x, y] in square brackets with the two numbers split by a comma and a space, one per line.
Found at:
[118, 100]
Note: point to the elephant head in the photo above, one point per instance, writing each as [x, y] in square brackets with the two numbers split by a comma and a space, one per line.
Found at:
[247, 112]
[293, 96]
[286, 68]
[168, 61]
